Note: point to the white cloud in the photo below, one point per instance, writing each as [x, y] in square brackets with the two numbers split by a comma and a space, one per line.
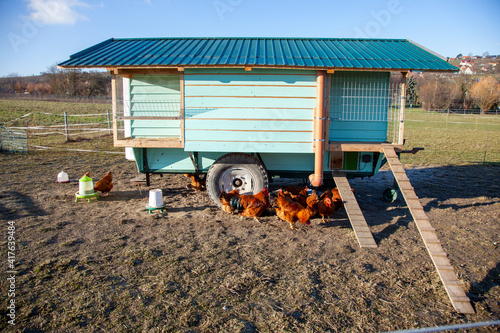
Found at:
[56, 11]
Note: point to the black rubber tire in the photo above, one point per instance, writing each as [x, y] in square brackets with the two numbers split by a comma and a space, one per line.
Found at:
[223, 175]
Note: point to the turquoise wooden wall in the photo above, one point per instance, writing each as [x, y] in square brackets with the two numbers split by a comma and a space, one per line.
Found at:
[155, 96]
[230, 110]
[359, 106]
[177, 160]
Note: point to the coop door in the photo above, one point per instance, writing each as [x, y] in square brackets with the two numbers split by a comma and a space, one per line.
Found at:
[155, 106]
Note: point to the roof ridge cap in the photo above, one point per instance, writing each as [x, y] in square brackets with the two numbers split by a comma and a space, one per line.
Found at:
[266, 38]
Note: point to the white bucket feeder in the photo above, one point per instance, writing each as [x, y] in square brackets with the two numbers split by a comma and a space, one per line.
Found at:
[62, 177]
[155, 200]
[86, 189]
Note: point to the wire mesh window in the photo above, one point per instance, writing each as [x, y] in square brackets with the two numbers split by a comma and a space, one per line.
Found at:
[359, 96]
[365, 100]
[155, 96]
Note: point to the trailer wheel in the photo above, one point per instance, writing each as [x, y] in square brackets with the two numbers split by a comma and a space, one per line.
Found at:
[236, 171]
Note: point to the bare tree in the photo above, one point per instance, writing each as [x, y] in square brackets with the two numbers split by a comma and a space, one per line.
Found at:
[74, 82]
[64, 82]
[463, 84]
[435, 92]
[485, 93]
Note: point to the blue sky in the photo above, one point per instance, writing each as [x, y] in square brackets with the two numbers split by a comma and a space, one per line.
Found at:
[36, 34]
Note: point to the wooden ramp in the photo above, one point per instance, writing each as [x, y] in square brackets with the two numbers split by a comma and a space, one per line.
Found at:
[440, 259]
[358, 222]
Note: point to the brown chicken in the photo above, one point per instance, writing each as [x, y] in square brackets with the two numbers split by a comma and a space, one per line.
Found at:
[86, 174]
[253, 205]
[312, 202]
[105, 184]
[295, 190]
[298, 194]
[327, 204]
[326, 208]
[291, 211]
[226, 198]
[337, 199]
[197, 183]
[249, 205]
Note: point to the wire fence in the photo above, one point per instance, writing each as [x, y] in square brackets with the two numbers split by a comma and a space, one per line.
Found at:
[13, 141]
[495, 112]
[56, 131]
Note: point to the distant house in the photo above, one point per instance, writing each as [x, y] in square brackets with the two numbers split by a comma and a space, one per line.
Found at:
[466, 67]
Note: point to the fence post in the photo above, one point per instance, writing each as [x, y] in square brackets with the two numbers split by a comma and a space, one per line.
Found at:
[28, 134]
[447, 116]
[485, 148]
[109, 123]
[66, 125]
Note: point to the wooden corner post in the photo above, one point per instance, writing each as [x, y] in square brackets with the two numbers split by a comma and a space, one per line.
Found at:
[402, 110]
[114, 107]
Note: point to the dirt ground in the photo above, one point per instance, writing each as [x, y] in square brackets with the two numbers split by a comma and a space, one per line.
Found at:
[110, 266]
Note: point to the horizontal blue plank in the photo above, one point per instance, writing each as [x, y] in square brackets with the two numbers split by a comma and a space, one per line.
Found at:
[373, 136]
[224, 135]
[288, 162]
[358, 131]
[289, 91]
[273, 125]
[155, 132]
[170, 80]
[168, 159]
[240, 80]
[218, 102]
[164, 99]
[137, 90]
[156, 123]
[248, 147]
[358, 125]
[234, 79]
[243, 113]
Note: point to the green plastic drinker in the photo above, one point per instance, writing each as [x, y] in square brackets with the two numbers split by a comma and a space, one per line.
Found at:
[86, 189]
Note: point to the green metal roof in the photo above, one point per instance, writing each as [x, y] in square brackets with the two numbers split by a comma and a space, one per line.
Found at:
[307, 53]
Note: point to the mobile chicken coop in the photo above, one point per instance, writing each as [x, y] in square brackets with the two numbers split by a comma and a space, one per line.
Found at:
[242, 110]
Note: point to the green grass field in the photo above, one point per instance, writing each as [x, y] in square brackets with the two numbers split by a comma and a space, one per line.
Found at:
[452, 139]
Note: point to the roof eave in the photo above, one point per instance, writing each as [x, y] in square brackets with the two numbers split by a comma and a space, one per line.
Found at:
[246, 66]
